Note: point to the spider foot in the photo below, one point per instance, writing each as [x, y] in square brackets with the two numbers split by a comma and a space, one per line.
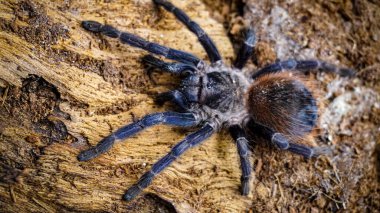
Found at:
[245, 185]
[92, 26]
[102, 147]
[131, 193]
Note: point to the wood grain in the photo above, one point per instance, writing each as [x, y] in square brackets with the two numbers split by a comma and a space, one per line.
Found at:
[102, 86]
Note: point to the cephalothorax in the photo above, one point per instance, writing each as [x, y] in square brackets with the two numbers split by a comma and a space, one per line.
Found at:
[275, 100]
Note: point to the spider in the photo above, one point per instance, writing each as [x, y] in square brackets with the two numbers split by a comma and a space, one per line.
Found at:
[274, 102]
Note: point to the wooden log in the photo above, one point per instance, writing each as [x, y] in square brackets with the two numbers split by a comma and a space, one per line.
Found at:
[63, 89]
[68, 88]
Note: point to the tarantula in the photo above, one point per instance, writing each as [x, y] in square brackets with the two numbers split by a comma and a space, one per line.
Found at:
[276, 102]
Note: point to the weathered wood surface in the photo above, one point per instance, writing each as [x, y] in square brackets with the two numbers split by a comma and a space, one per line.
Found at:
[101, 86]
[64, 89]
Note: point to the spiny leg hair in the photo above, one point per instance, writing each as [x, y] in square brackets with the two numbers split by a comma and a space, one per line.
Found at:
[203, 38]
[303, 66]
[239, 136]
[169, 118]
[191, 140]
[139, 42]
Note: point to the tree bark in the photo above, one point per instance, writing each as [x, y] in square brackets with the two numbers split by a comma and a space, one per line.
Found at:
[64, 89]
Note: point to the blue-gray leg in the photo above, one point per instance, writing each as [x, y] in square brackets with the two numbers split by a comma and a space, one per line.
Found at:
[246, 51]
[239, 136]
[139, 42]
[190, 141]
[283, 143]
[174, 96]
[303, 66]
[170, 118]
[175, 68]
[203, 38]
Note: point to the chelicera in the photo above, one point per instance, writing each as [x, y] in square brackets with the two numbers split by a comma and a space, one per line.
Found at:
[275, 102]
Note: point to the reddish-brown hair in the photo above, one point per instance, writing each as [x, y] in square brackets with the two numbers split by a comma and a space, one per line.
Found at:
[284, 102]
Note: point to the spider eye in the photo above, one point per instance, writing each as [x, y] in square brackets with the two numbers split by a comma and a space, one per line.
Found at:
[282, 103]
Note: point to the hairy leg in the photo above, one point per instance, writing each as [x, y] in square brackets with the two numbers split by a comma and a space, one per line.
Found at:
[175, 68]
[203, 38]
[283, 143]
[170, 118]
[239, 136]
[303, 66]
[139, 42]
[190, 141]
[246, 51]
[176, 97]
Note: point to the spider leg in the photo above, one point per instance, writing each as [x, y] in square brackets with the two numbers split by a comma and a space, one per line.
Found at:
[176, 97]
[170, 118]
[246, 51]
[139, 42]
[190, 141]
[281, 142]
[303, 66]
[203, 38]
[239, 136]
[175, 68]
